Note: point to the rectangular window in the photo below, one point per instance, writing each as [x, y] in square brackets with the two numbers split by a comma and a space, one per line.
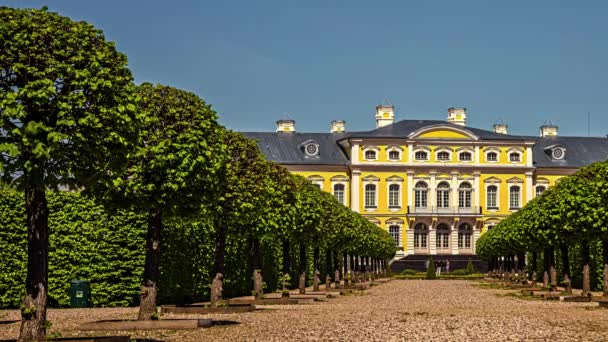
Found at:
[420, 200]
[421, 155]
[395, 232]
[464, 198]
[514, 201]
[393, 196]
[370, 196]
[514, 157]
[492, 198]
[339, 192]
[443, 198]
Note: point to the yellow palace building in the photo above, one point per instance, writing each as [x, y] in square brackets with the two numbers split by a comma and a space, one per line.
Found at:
[436, 186]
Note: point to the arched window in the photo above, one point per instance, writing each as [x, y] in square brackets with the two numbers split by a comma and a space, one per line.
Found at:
[464, 195]
[370, 155]
[443, 195]
[492, 197]
[317, 185]
[540, 189]
[420, 195]
[421, 233]
[395, 231]
[393, 196]
[465, 156]
[465, 233]
[442, 240]
[339, 192]
[393, 155]
[492, 156]
[443, 155]
[370, 196]
[514, 157]
[514, 197]
[421, 155]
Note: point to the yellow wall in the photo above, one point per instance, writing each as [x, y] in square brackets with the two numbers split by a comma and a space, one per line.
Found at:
[444, 134]
[327, 182]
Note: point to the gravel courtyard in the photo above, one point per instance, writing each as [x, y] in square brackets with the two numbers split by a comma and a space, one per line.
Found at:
[412, 310]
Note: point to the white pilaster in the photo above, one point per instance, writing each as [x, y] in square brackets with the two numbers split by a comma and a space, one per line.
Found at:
[410, 188]
[454, 190]
[410, 154]
[477, 155]
[354, 191]
[529, 162]
[529, 188]
[454, 239]
[410, 241]
[432, 240]
[354, 153]
[433, 189]
[476, 192]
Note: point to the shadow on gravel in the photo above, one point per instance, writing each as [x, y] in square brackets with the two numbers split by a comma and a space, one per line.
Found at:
[224, 322]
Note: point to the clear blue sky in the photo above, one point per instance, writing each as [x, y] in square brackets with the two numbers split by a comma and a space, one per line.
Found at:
[255, 61]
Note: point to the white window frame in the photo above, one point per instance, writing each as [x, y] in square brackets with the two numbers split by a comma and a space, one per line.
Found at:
[440, 150]
[394, 149]
[462, 192]
[492, 150]
[418, 241]
[388, 194]
[370, 149]
[497, 185]
[317, 180]
[426, 196]
[440, 243]
[465, 237]
[333, 189]
[448, 190]
[511, 206]
[425, 150]
[466, 161]
[539, 186]
[399, 225]
[518, 152]
[365, 184]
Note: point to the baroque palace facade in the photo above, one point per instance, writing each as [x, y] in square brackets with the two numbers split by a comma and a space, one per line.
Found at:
[436, 186]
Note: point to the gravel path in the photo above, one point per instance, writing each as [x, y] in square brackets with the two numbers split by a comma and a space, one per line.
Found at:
[412, 310]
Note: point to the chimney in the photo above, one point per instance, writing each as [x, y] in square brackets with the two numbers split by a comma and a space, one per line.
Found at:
[337, 126]
[385, 115]
[457, 116]
[287, 125]
[548, 130]
[501, 128]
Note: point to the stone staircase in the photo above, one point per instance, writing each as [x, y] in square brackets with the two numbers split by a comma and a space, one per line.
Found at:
[418, 262]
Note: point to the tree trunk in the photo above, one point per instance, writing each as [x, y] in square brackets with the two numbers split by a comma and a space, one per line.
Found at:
[286, 258]
[337, 276]
[552, 269]
[346, 270]
[149, 291]
[328, 268]
[256, 265]
[533, 269]
[302, 282]
[605, 262]
[218, 265]
[547, 266]
[566, 268]
[316, 261]
[33, 313]
[586, 268]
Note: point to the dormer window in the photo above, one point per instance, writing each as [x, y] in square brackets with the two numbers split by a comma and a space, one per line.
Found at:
[492, 157]
[465, 156]
[443, 156]
[421, 155]
[310, 148]
[558, 153]
[370, 155]
[514, 157]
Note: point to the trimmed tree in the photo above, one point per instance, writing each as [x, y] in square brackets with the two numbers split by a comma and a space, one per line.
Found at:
[68, 118]
[173, 171]
[430, 270]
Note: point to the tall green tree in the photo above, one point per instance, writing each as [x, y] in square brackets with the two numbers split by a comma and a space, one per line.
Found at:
[66, 118]
[173, 171]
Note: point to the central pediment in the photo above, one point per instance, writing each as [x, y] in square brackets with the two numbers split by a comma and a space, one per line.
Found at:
[446, 132]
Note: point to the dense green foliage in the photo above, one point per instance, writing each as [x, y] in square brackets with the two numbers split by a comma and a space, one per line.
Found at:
[85, 243]
[470, 269]
[574, 213]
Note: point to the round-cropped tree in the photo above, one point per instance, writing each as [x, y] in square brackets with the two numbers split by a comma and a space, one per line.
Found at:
[173, 170]
[67, 118]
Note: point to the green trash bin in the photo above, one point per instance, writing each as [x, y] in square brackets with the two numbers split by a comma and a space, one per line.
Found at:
[79, 293]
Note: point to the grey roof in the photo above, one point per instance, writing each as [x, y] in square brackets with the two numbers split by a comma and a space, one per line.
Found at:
[404, 128]
[286, 148]
[580, 151]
